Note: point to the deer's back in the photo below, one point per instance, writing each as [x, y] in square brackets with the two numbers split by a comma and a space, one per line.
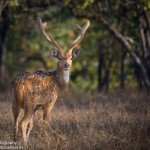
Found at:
[37, 87]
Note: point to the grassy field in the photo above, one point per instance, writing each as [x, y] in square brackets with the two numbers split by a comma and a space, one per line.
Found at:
[87, 121]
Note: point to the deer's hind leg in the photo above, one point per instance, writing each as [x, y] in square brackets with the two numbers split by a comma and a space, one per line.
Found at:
[30, 126]
[15, 111]
[28, 114]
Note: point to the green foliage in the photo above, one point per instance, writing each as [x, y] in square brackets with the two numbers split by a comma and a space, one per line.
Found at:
[13, 3]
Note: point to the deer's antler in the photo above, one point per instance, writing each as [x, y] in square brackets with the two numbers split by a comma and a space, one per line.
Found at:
[80, 36]
[49, 37]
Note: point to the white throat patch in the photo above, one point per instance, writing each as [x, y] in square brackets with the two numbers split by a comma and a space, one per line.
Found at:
[66, 76]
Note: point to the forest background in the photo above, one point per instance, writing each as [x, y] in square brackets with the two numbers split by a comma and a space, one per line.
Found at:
[115, 52]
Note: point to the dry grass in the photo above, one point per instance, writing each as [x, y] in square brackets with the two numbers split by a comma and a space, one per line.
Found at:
[83, 121]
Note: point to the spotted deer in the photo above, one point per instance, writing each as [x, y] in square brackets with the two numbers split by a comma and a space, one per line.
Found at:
[39, 90]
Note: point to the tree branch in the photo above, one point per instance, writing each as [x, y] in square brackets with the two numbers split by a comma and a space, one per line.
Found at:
[3, 4]
[128, 47]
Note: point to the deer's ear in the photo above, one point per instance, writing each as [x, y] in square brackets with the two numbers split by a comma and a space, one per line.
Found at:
[54, 53]
[75, 53]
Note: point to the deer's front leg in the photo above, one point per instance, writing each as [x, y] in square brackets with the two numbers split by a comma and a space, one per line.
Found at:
[47, 110]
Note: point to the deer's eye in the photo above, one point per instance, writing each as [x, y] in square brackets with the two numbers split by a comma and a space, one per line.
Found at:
[59, 58]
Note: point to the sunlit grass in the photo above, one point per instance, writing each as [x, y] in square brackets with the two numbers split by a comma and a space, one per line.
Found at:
[88, 121]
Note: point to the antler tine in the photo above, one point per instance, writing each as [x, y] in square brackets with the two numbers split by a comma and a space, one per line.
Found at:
[80, 36]
[49, 37]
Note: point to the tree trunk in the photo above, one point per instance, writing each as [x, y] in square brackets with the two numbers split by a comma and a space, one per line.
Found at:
[100, 68]
[107, 74]
[3, 49]
[122, 69]
[104, 80]
[145, 38]
[138, 77]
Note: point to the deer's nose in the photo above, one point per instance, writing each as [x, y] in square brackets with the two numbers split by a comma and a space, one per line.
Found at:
[66, 65]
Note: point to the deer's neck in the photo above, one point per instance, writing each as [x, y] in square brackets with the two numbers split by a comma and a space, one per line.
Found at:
[65, 76]
[62, 77]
